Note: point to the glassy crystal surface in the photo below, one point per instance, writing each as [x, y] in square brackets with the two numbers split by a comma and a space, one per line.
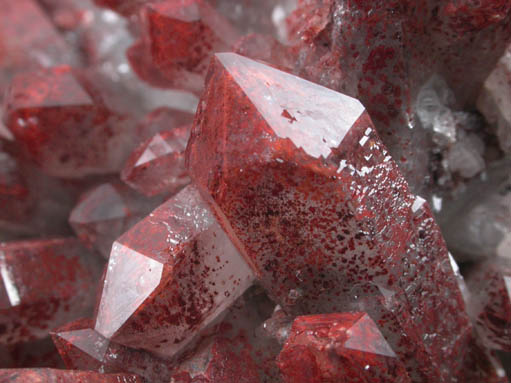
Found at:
[170, 276]
[62, 126]
[315, 151]
[107, 211]
[157, 166]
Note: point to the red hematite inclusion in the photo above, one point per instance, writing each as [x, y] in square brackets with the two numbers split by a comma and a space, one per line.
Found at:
[339, 348]
[45, 283]
[306, 190]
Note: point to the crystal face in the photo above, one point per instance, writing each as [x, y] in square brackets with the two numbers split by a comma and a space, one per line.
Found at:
[183, 270]
[260, 182]
[107, 211]
[158, 165]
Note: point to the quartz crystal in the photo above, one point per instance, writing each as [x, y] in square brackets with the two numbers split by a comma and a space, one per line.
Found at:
[45, 283]
[197, 31]
[106, 212]
[157, 166]
[478, 223]
[82, 348]
[320, 185]
[48, 375]
[345, 347]
[183, 272]
[383, 52]
[62, 126]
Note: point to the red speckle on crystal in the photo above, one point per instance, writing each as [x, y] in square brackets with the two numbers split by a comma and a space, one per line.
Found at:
[60, 123]
[45, 284]
[490, 302]
[179, 38]
[346, 347]
[219, 360]
[28, 40]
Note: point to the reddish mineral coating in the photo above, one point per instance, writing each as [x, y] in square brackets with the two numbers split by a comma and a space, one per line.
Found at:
[169, 277]
[61, 124]
[339, 348]
[157, 166]
[291, 167]
[48, 375]
[179, 38]
[82, 348]
[45, 284]
[490, 302]
[105, 212]
[221, 360]
[28, 40]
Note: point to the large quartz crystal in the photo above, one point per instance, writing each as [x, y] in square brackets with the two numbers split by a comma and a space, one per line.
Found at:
[320, 209]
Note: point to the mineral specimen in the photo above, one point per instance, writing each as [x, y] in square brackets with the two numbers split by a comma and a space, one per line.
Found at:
[277, 230]
[179, 38]
[62, 124]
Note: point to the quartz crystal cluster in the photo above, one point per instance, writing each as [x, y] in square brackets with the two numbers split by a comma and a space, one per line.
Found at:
[255, 191]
